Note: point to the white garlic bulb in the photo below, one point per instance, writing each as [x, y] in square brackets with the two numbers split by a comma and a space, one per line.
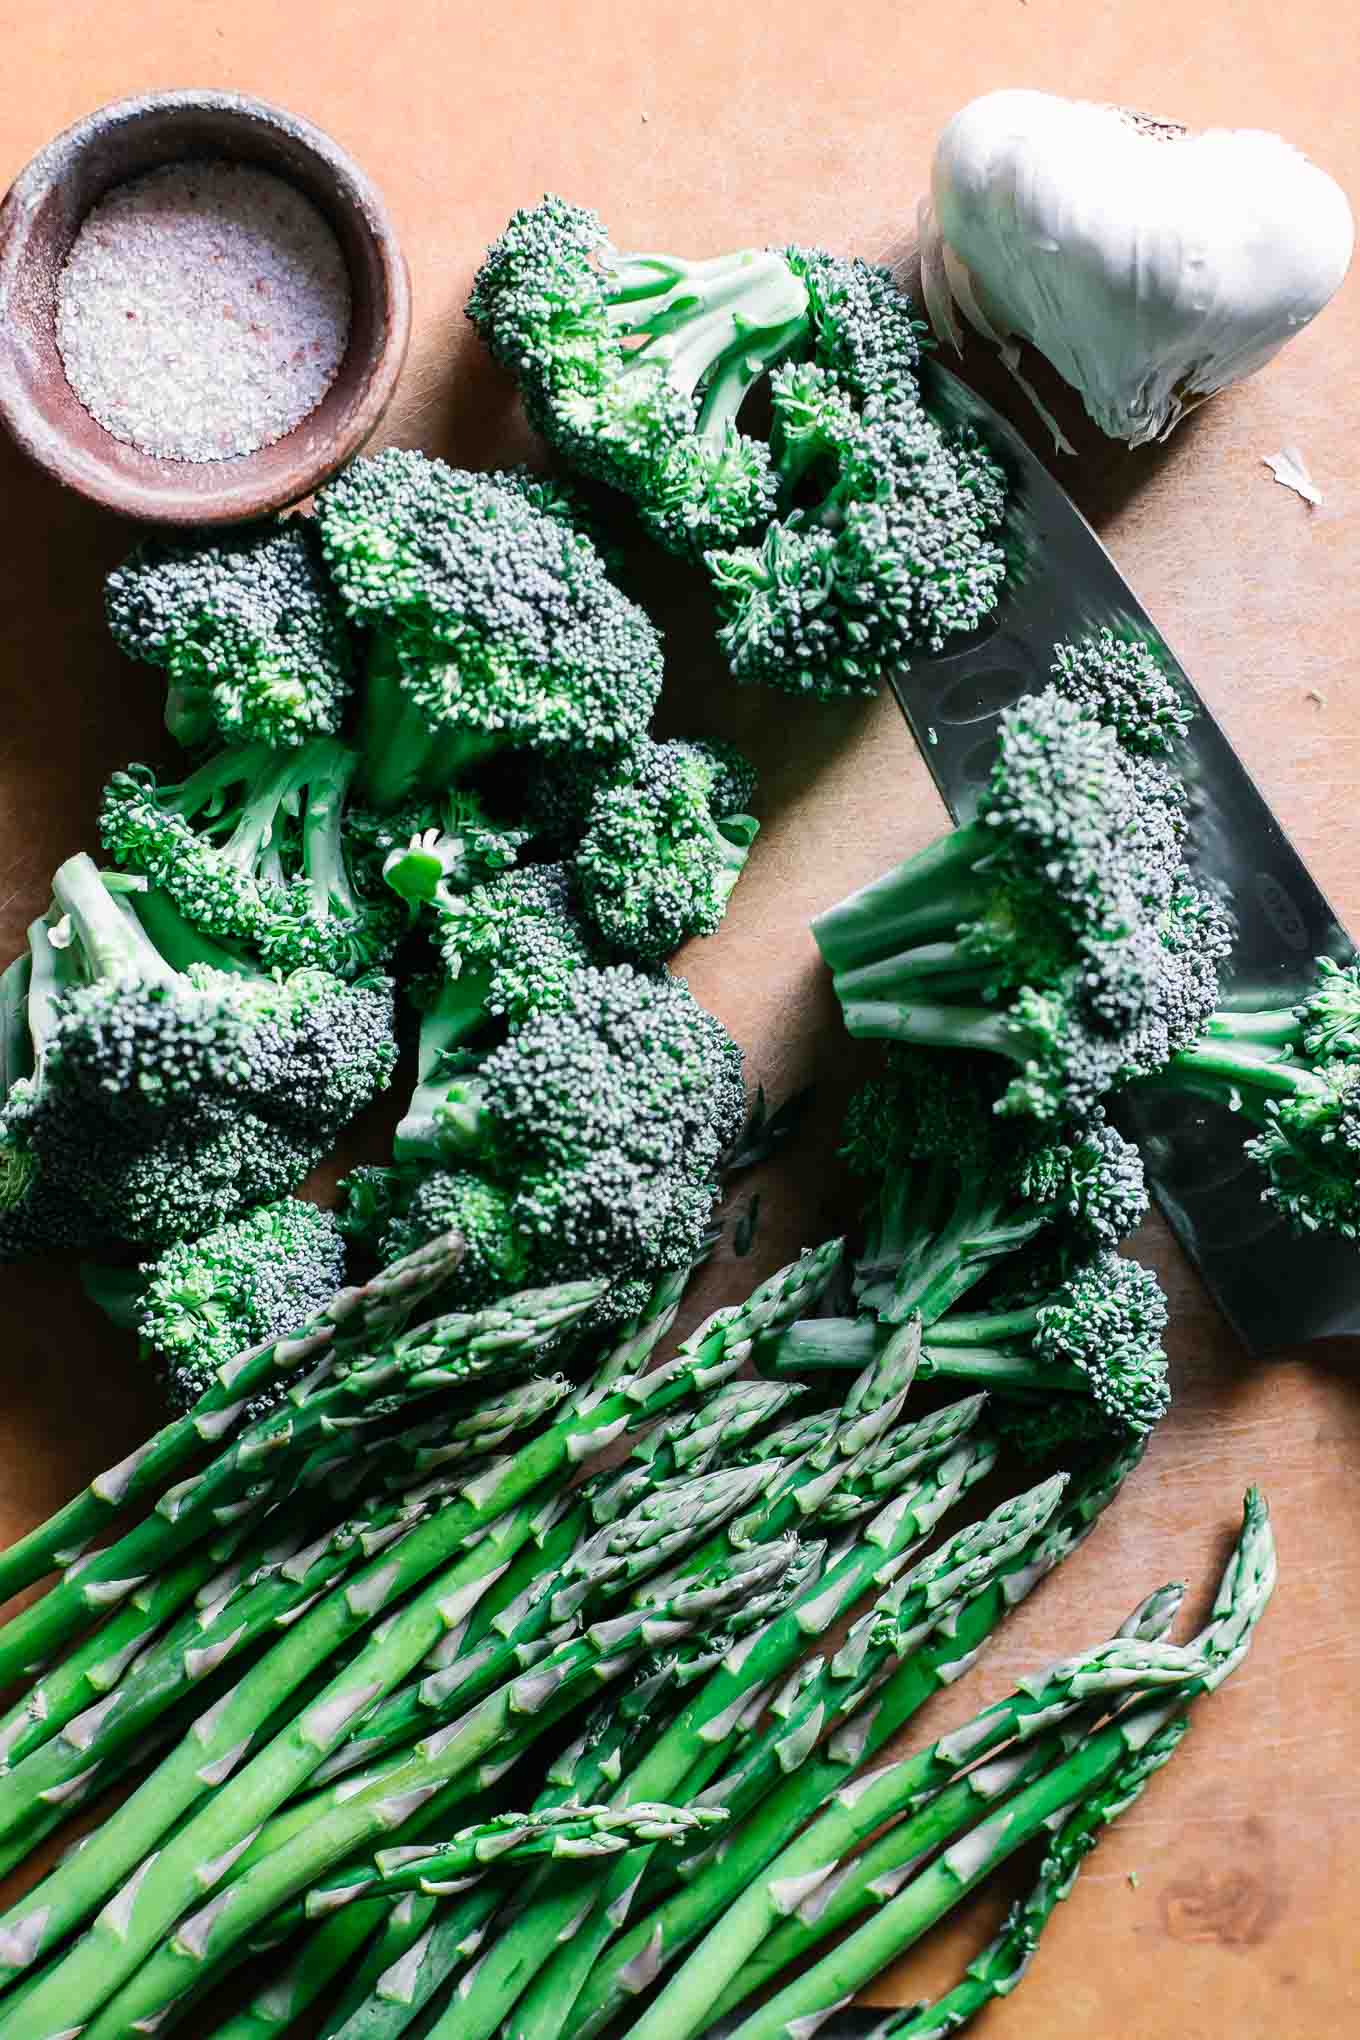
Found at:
[1152, 266]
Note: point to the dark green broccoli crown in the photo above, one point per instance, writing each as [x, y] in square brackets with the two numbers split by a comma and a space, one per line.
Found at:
[205, 1300]
[555, 795]
[1310, 1151]
[609, 1115]
[459, 1200]
[245, 625]
[503, 621]
[1108, 1320]
[168, 1100]
[922, 1107]
[371, 1196]
[522, 929]
[865, 330]
[1066, 1426]
[1329, 1015]
[658, 862]
[253, 848]
[896, 556]
[1090, 1177]
[1120, 681]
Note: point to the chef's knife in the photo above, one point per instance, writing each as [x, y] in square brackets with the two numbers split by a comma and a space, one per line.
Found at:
[1274, 1287]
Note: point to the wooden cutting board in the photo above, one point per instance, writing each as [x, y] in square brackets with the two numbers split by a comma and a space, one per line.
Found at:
[1224, 1905]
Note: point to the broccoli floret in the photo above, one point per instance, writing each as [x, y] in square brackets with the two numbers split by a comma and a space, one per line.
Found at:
[393, 1211]
[1088, 1352]
[254, 849]
[443, 851]
[1121, 682]
[662, 849]
[508, 948]
[169, 1086]
[887, 548]
[606, 1118]
[1292, 1073]
[636, 366]
[1059, 931]
[959, 1192]
[492, 625]
[246, 627]
[202, 1301]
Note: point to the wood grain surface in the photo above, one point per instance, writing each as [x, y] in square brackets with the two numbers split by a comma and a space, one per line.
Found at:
[705, 127]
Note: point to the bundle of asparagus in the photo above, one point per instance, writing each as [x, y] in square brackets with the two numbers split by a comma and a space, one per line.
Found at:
[486, 1731]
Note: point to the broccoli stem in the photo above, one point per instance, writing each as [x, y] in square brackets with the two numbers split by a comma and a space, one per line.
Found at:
[1214, 1067]
[328, 771]
[937, 1026]
[459, 1010]
[179, 942]
[751, 356]
[400, 755]
[113, 942]
[718, 327]
[923, 900]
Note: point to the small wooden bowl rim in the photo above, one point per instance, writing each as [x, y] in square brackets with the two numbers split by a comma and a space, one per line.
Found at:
[39, 220]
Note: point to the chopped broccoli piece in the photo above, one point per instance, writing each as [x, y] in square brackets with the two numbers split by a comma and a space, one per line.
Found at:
[663, 849]
[606, 1117]
[508, 948]
[959, 1192]
[393, 1211]
[168, 1087]
[254, 849]
[492, 624]
[246, 627]
[1058, 931]
[202, 1301]
[887, 547]
[1292, 1072]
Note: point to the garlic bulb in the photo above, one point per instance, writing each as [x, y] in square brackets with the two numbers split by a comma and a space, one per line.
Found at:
[1152, 266]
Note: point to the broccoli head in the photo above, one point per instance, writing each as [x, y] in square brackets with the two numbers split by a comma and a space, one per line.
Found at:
[663, 847]
[393, 1211]
[606, 1117]
[1059, 931]
[245, 626]
[1121, 681]
[168, 1087]
[202, 1301]
[492, 624]
[254, 848]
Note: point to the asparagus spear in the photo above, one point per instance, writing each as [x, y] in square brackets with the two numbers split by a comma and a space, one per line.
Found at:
[595, 1416]
[1002, 1965]
[82, 1982]
[693, 1746]
[1243, 1594]
[969, 1604]
[441, 1355]
[351, 1320]
[796, 1882]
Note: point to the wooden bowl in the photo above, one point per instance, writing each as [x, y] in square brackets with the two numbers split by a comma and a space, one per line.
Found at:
[39, 220]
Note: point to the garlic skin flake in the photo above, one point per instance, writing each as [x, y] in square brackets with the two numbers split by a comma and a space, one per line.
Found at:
[1151, 265]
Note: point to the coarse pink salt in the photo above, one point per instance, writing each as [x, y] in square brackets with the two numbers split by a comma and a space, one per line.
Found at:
[203, 311]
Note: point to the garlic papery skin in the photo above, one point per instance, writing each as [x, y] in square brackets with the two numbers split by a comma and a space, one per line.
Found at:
[1151, 265]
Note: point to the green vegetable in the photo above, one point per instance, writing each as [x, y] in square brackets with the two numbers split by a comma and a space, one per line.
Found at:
[255, 849]
[492, 624]
[170, 1087]
[246, 628]
[200, 1302]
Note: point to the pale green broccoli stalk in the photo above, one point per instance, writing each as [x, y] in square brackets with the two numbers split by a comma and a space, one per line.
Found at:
[1059, 932]
[202, 1301]
[959, 1192]
[663, 847]
[167, 1086]
[254, 848]
[245, 626]
[492, 625]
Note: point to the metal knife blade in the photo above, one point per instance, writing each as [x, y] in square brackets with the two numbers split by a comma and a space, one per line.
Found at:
[1274, 1287]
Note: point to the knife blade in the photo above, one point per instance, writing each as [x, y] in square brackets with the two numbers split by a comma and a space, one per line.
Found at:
[1275, 1287]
